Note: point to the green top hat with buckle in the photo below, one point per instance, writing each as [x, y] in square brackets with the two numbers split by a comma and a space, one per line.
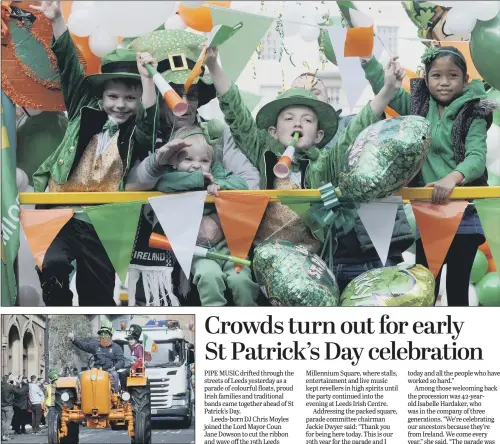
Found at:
[327, 117]
[120, 63]
[177, 52]
[106, 327]
[134, 332]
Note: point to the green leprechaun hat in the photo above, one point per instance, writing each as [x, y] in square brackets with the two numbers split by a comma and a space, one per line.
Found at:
[120, 63]
[327, 116]
[177, 52]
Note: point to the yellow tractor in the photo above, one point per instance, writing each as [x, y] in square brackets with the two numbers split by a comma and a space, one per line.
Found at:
[91, 400]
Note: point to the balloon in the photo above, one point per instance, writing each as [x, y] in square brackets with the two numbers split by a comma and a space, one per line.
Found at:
[493, 144]
[293, 277]
[491, 265]
[200, 18]
[100, 43]
[479, 267]
[81, 22]
[485, 50]
[486, 10]
[488, 290]
[459, 23]
[309, 33]
[384, 158]
[485, 248]
[22, 180]
[191, 325]
[494, 95]
[29, 296]
[175, 22]
[400, 286]
[133, 19]
[82, 43]
[79, 5]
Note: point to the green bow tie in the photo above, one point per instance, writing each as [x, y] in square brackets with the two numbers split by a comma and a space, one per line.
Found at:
[110, 126]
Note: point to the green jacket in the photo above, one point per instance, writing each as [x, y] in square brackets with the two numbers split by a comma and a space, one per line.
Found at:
[320, 167]
[441, 160]
[86, 118]
[180, 181]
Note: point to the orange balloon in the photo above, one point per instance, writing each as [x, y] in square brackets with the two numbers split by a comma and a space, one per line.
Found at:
[199, 18]
[491, 265]
[82, 43]
[485, 248]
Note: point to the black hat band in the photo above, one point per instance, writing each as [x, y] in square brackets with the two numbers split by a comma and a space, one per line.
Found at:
[131, 67]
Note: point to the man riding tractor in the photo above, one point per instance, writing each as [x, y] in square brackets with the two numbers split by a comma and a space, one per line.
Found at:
[97, 400]
[136, 351]
[105, 353]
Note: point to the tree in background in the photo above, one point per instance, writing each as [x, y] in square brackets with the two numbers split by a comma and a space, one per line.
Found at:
[63, 356]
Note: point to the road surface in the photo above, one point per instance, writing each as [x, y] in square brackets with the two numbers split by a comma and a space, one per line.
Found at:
[162, 434]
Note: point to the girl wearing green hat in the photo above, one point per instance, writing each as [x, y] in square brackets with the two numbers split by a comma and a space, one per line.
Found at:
[112, 125]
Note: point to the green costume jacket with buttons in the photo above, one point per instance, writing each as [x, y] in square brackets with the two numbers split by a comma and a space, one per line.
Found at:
[86, 118]
[323, 166]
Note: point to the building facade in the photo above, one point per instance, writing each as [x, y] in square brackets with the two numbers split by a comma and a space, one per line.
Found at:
[23, 345]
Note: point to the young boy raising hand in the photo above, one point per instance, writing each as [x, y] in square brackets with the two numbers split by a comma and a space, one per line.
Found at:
[112, 124]
[264, 140]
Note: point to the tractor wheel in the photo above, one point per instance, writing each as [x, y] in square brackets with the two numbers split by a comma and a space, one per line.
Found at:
[188, 419]
[54, 425]
[140, 397]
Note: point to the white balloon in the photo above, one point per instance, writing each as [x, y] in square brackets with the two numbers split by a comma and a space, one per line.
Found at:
[22, 180]
[80, 5]
[485, 11]
[309, 33]
[175, 22]
[81, 23]
[459, 22]
[101, 43]
[493, 144]
[133, 18]
[192, 4]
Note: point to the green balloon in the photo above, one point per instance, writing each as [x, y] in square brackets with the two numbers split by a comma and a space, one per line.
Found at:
[38, 138]
[494, 95]
[485, 50]
[488, 290]
[479, 267]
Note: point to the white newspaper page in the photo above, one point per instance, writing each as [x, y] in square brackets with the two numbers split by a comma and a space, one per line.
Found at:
[363, 376]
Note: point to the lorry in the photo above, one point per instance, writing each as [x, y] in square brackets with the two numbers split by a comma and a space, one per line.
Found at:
[168, 369]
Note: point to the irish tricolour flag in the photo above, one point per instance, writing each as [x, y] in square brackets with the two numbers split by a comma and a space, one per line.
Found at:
[150, 346]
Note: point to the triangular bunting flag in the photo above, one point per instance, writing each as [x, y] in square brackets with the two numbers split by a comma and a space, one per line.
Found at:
[41, 228]
[359, 42]
[437, 225]
[378, 219]
[236, 52]
[250, 100]
[353, 75]
[180, 217]
[116, 226]
[240, 215]
[489, 213]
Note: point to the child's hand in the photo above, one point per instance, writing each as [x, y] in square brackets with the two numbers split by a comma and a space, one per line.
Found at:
[442, 189]
[51, 9]
[213, 189]
[209, 179]
[167, 154]
[394, 75]
[145, 58]
[211, 57]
